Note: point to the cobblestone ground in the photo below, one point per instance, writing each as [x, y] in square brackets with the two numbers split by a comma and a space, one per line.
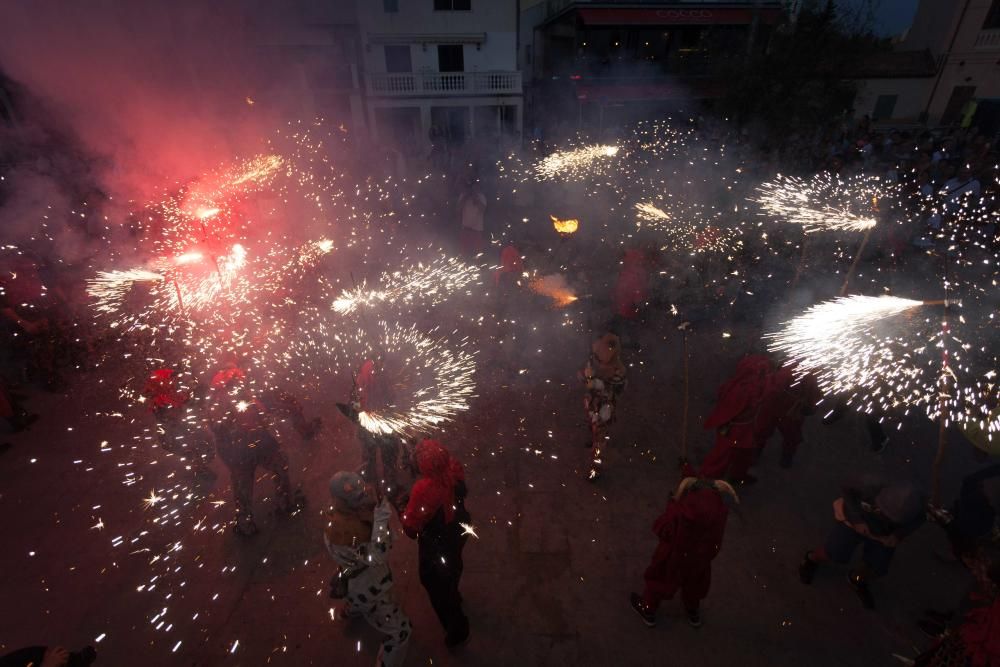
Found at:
[547, 580]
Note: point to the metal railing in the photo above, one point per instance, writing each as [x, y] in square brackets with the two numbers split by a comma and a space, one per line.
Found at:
[415, 84]
[988, 40]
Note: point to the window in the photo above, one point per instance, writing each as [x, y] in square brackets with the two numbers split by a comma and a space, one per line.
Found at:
[992, 21]
[452, 5]
[397, 58]
[390, 6]
[884, 106]
[450, 58]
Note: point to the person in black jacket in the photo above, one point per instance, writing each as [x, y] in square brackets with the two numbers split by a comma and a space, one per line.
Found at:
[436, 517]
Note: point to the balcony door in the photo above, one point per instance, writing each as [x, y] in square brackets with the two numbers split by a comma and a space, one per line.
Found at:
[451, 58]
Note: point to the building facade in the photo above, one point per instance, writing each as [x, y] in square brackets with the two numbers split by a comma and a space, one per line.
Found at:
[962, 38]
[609, 62]
[442, 68]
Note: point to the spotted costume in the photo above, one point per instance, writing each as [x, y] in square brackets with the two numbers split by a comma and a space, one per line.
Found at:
[604, 378]
[369, 586]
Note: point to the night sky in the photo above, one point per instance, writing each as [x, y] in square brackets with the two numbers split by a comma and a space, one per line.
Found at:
[892, 17]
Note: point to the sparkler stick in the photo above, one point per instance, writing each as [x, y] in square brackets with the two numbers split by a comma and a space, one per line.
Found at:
[802, 262]
[684, 327]
[854, 264]
[180, 301]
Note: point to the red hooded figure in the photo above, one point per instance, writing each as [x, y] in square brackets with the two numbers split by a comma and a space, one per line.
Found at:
[632, 288]
[162, 391]
[785, 405]
[511, 265]
[733, 419]
[434, 516]
[690, 531]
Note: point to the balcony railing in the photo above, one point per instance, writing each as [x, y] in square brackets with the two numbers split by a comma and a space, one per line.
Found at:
[434, 84]
[988, 40]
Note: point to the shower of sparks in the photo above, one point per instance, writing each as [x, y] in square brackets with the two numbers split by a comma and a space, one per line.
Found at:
[574, 163]
[689, 226]
[433, 379]
[826, 202]
[468, 529]
[429, 284]
[884, 355]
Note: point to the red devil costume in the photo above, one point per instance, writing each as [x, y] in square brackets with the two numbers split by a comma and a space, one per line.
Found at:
[241, 426]
[734, 418]
[785, 405]
[511, 267]
[434, 516]
[690, 531]
[175, 421]
[632, 288]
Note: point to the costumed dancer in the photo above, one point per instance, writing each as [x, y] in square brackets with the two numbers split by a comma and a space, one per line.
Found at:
[357, 536]
[784, 407]
[239, 423]
[369, 391]
[733, 419]
[690, 531]
[875, 516]
[168, 404]
[631, 293]
[434, 517]
[604, 378]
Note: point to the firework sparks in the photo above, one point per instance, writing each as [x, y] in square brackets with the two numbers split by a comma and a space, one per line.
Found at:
[575, 162]
[825, 202]
[883, 355]
[429, 283]
[690, 226]
[468, 529]
[434, 381]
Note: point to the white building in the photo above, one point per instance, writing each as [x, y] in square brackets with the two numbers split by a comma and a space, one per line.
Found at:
[450, 65]
[963, 39]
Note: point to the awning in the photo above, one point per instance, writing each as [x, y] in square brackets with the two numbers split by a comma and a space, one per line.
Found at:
[612, 16]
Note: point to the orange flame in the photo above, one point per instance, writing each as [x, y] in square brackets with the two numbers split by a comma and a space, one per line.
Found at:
[555, 288]
[565, 226]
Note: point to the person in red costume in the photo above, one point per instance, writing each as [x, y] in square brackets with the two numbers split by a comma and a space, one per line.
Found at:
[511, 267]
[734, 418]
[690, 531]
[974, 641]
[786, 403]
[175, 419]
[632, 288]
[436, 517]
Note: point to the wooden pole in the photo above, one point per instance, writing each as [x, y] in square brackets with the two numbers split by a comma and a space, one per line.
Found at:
[684, 414]
[939, 459]
[180, 301]
[854, 264]
[802, 262]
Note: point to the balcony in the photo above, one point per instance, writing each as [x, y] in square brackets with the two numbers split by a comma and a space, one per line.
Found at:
[988, 40]
[443, 84]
